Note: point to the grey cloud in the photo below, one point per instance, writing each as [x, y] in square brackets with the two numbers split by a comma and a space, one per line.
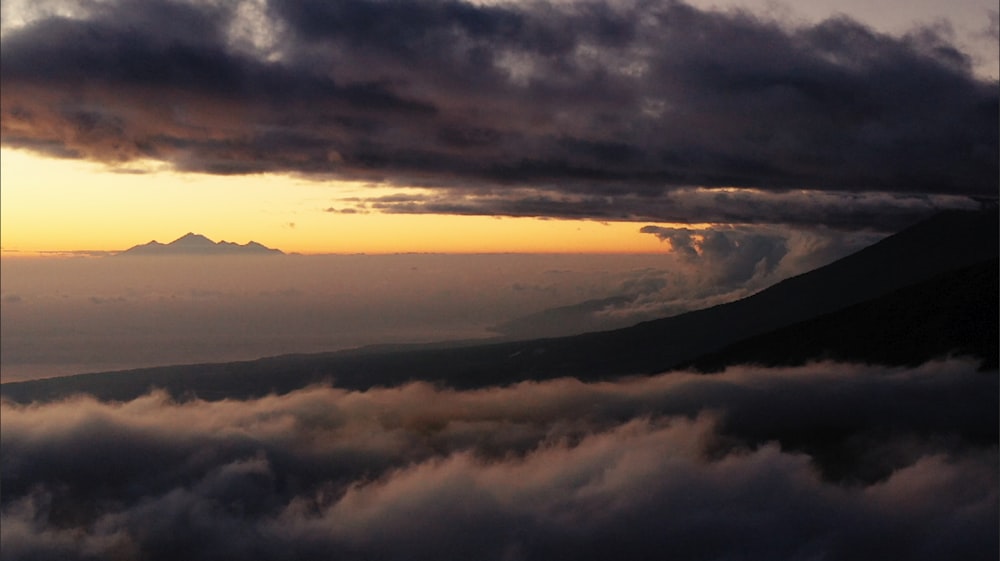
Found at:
[884, 212]
[639, 491]
[734, 256]
[704, 267]
[680, 239]
[754, 462]
[588, 101]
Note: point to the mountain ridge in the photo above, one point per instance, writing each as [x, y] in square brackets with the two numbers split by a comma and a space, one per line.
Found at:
[197, 244]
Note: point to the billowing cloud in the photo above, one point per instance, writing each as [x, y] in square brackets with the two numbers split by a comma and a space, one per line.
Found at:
[586, 109]
[705, 266]
[739, 255]
[753, 462]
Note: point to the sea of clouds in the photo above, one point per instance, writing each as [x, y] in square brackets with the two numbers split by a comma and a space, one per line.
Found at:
[824, 461]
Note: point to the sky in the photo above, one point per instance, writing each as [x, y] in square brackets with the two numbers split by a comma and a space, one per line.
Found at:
[437, 170]
[383, 127]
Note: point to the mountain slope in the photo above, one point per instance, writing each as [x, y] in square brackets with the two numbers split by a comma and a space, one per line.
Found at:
[952, 313]
[946, 242]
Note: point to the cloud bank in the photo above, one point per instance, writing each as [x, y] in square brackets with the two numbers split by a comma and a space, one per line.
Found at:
[826, 461]
[571, 109]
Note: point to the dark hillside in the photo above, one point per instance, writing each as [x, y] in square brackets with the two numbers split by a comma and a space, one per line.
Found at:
[954, 313]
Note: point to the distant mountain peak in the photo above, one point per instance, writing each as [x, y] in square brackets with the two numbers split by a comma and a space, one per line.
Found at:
[191, 238]
[197, 244]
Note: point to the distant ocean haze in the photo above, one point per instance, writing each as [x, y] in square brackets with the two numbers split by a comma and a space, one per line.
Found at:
[68, 315]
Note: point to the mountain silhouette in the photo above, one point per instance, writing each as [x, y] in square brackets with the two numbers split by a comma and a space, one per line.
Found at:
[197, 244]
[934, 249]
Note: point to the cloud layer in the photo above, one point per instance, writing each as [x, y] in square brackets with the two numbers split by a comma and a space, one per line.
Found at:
[825, 461]
[589, 109]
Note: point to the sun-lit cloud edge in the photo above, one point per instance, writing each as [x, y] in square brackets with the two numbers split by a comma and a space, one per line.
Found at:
[69, 207]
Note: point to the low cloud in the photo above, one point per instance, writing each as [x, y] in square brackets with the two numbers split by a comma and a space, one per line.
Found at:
[828, 460]
[701, 268]
[738, 256]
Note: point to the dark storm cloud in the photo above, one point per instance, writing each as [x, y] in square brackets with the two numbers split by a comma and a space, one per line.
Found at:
[751, 463]
[599, 105]
[879, 211]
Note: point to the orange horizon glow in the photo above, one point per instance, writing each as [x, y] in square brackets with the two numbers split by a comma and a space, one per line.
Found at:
[51, 206]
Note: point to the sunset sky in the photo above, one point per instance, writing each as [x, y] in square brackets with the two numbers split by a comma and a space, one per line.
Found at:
[384, 127]
[558, 279]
